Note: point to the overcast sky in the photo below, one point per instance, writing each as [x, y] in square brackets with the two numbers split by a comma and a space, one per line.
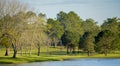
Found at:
[99, 10]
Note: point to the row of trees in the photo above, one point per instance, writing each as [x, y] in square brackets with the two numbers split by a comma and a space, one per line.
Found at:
[23, 29]
[87, 35]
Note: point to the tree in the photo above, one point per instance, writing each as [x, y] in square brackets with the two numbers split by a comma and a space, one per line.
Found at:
[104, 41]
[89, 25]
[111, 24]
[87, 43]
[16, 33]
[4, 38]
[55, 31]
[70, 40]
[71, 23]
[62, 17]
[35, 32]
[39, 35]
[5, 42]
[91, 29]
[12, 26]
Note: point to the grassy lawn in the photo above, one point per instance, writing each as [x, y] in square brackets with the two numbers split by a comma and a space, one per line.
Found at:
[28, 59]
[54, 54]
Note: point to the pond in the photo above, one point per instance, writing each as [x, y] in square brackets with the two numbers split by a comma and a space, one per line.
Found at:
[74, 62]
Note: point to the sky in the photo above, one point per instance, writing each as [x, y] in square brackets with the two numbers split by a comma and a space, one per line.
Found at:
[99, 10]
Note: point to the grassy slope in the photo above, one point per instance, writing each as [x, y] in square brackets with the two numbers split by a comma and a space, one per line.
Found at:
[27, 59]
[56, 55]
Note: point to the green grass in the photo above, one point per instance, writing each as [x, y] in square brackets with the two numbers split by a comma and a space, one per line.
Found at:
[54, 54]
[28, 59]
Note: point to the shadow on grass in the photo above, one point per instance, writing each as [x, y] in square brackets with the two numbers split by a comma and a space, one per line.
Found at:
[64, 53]
[55, 53]
[6, 62]
[10, 60]
[46, 53]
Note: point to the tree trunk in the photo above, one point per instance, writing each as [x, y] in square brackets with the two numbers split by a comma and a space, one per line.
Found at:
[67, 50]
[70, 49]
[6, 53]
[15, 53]
[54, 45]
[26, 51]
[73, 50]
[39, 51]
[30, 51]
[105, 52]
[78, 50]
[88, 53]
[21, 51]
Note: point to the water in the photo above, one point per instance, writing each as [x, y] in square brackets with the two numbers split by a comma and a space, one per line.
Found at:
[73, 62]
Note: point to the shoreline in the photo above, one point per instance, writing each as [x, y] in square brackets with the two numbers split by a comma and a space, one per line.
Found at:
[32, 59]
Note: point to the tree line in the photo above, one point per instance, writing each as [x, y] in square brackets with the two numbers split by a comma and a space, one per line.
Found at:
[23, 29]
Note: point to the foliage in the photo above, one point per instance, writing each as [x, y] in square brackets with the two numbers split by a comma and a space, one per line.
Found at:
[111, 24]
[55, 30]
[89, 25]
[72, 26]
[104, 41]
[87, 43]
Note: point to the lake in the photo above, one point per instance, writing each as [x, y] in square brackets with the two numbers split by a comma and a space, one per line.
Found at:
[74, 62]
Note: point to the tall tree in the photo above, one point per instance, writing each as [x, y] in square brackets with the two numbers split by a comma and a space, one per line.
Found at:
[91, 29]
[87, 43]
[39, 35]
[11, 27]
[104, 41]
[113, 25]
[55, 31]
[5, 38]
[34, 32]
[71, 23]
[5, 42]
[70, 40]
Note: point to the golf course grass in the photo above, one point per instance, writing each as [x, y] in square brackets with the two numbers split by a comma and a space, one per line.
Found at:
[28, 59]
[53, 55]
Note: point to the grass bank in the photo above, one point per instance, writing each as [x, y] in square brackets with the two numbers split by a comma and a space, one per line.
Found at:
[48, 54]
[29, 59]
